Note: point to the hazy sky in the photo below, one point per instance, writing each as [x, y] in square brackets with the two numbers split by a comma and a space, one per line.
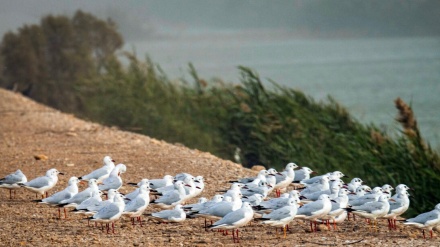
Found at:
[139, 19]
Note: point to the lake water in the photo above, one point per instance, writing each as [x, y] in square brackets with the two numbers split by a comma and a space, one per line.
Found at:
[364, 75]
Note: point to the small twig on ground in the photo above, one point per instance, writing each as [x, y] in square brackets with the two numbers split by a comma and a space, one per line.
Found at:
[332, 244]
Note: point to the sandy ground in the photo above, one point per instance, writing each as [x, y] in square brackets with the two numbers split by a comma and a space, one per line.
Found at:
[76, 147]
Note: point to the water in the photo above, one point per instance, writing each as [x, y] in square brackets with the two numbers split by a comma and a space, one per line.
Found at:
[364, 75]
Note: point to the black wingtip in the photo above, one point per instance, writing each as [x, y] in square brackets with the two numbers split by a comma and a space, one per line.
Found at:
[260, 219]
[349, 209]
[259, 207]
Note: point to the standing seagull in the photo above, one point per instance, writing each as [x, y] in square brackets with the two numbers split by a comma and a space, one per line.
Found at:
[285, 178]
[113, 181]
[110, 213]
[67, 193]
[137, 205]
[372, 210]
[172, 215]
[399, 206]
[283, 216]
[235, 219]
[167, 180]
[42, 184]
[426, 221]
[81, 196]
[12, 180]
[101, 173]
[315, 210]
[172, 198]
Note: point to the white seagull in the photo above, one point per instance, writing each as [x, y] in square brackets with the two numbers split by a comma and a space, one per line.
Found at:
[78, 198]
[101, 173]
[67, 193]
[315, 210]
[41, 185]
[372, 210]
[172, 215]
[285, 178]
[12, 180]
[283, 216]
[136, 207]
[161, 182]
[110, 213]
[426, 221]
[113, 181]
[235, 219]
[172, 198]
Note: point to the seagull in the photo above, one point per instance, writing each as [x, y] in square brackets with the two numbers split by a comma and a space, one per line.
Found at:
[315, 210]
[234, 220]
[200, 185]
[93, 208]
[190, 189]
[279, 202]
[262, 189]
[95, 199]
[401, 187]
[426, 221]
[372, 210]
[81, 196]
[360, 191]
[110, 213]
[188, 180]
[321, 184]
[172, 215]
[133, 194]
[354, 184]
[332, 175]
[67, 193]
[101, 173]
[302, 174]
[261, 175]
[137, 205]
[193, 208]
[199, 203]
[161, 182]
[372, 196]
[12, 180]
[338, 205]
[222, 208]
[386, 188]
[113, 181]
[397, 207]
[41, 185]
[283, 216]
[332, 192]
[234, 187]
[285, 178]
[172, 198]
[182, 176]
[254, 200]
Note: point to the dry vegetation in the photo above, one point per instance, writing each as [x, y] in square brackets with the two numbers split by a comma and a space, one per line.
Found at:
[76, 147]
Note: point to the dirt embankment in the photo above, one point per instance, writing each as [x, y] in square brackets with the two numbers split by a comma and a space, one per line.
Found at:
[77, 147]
